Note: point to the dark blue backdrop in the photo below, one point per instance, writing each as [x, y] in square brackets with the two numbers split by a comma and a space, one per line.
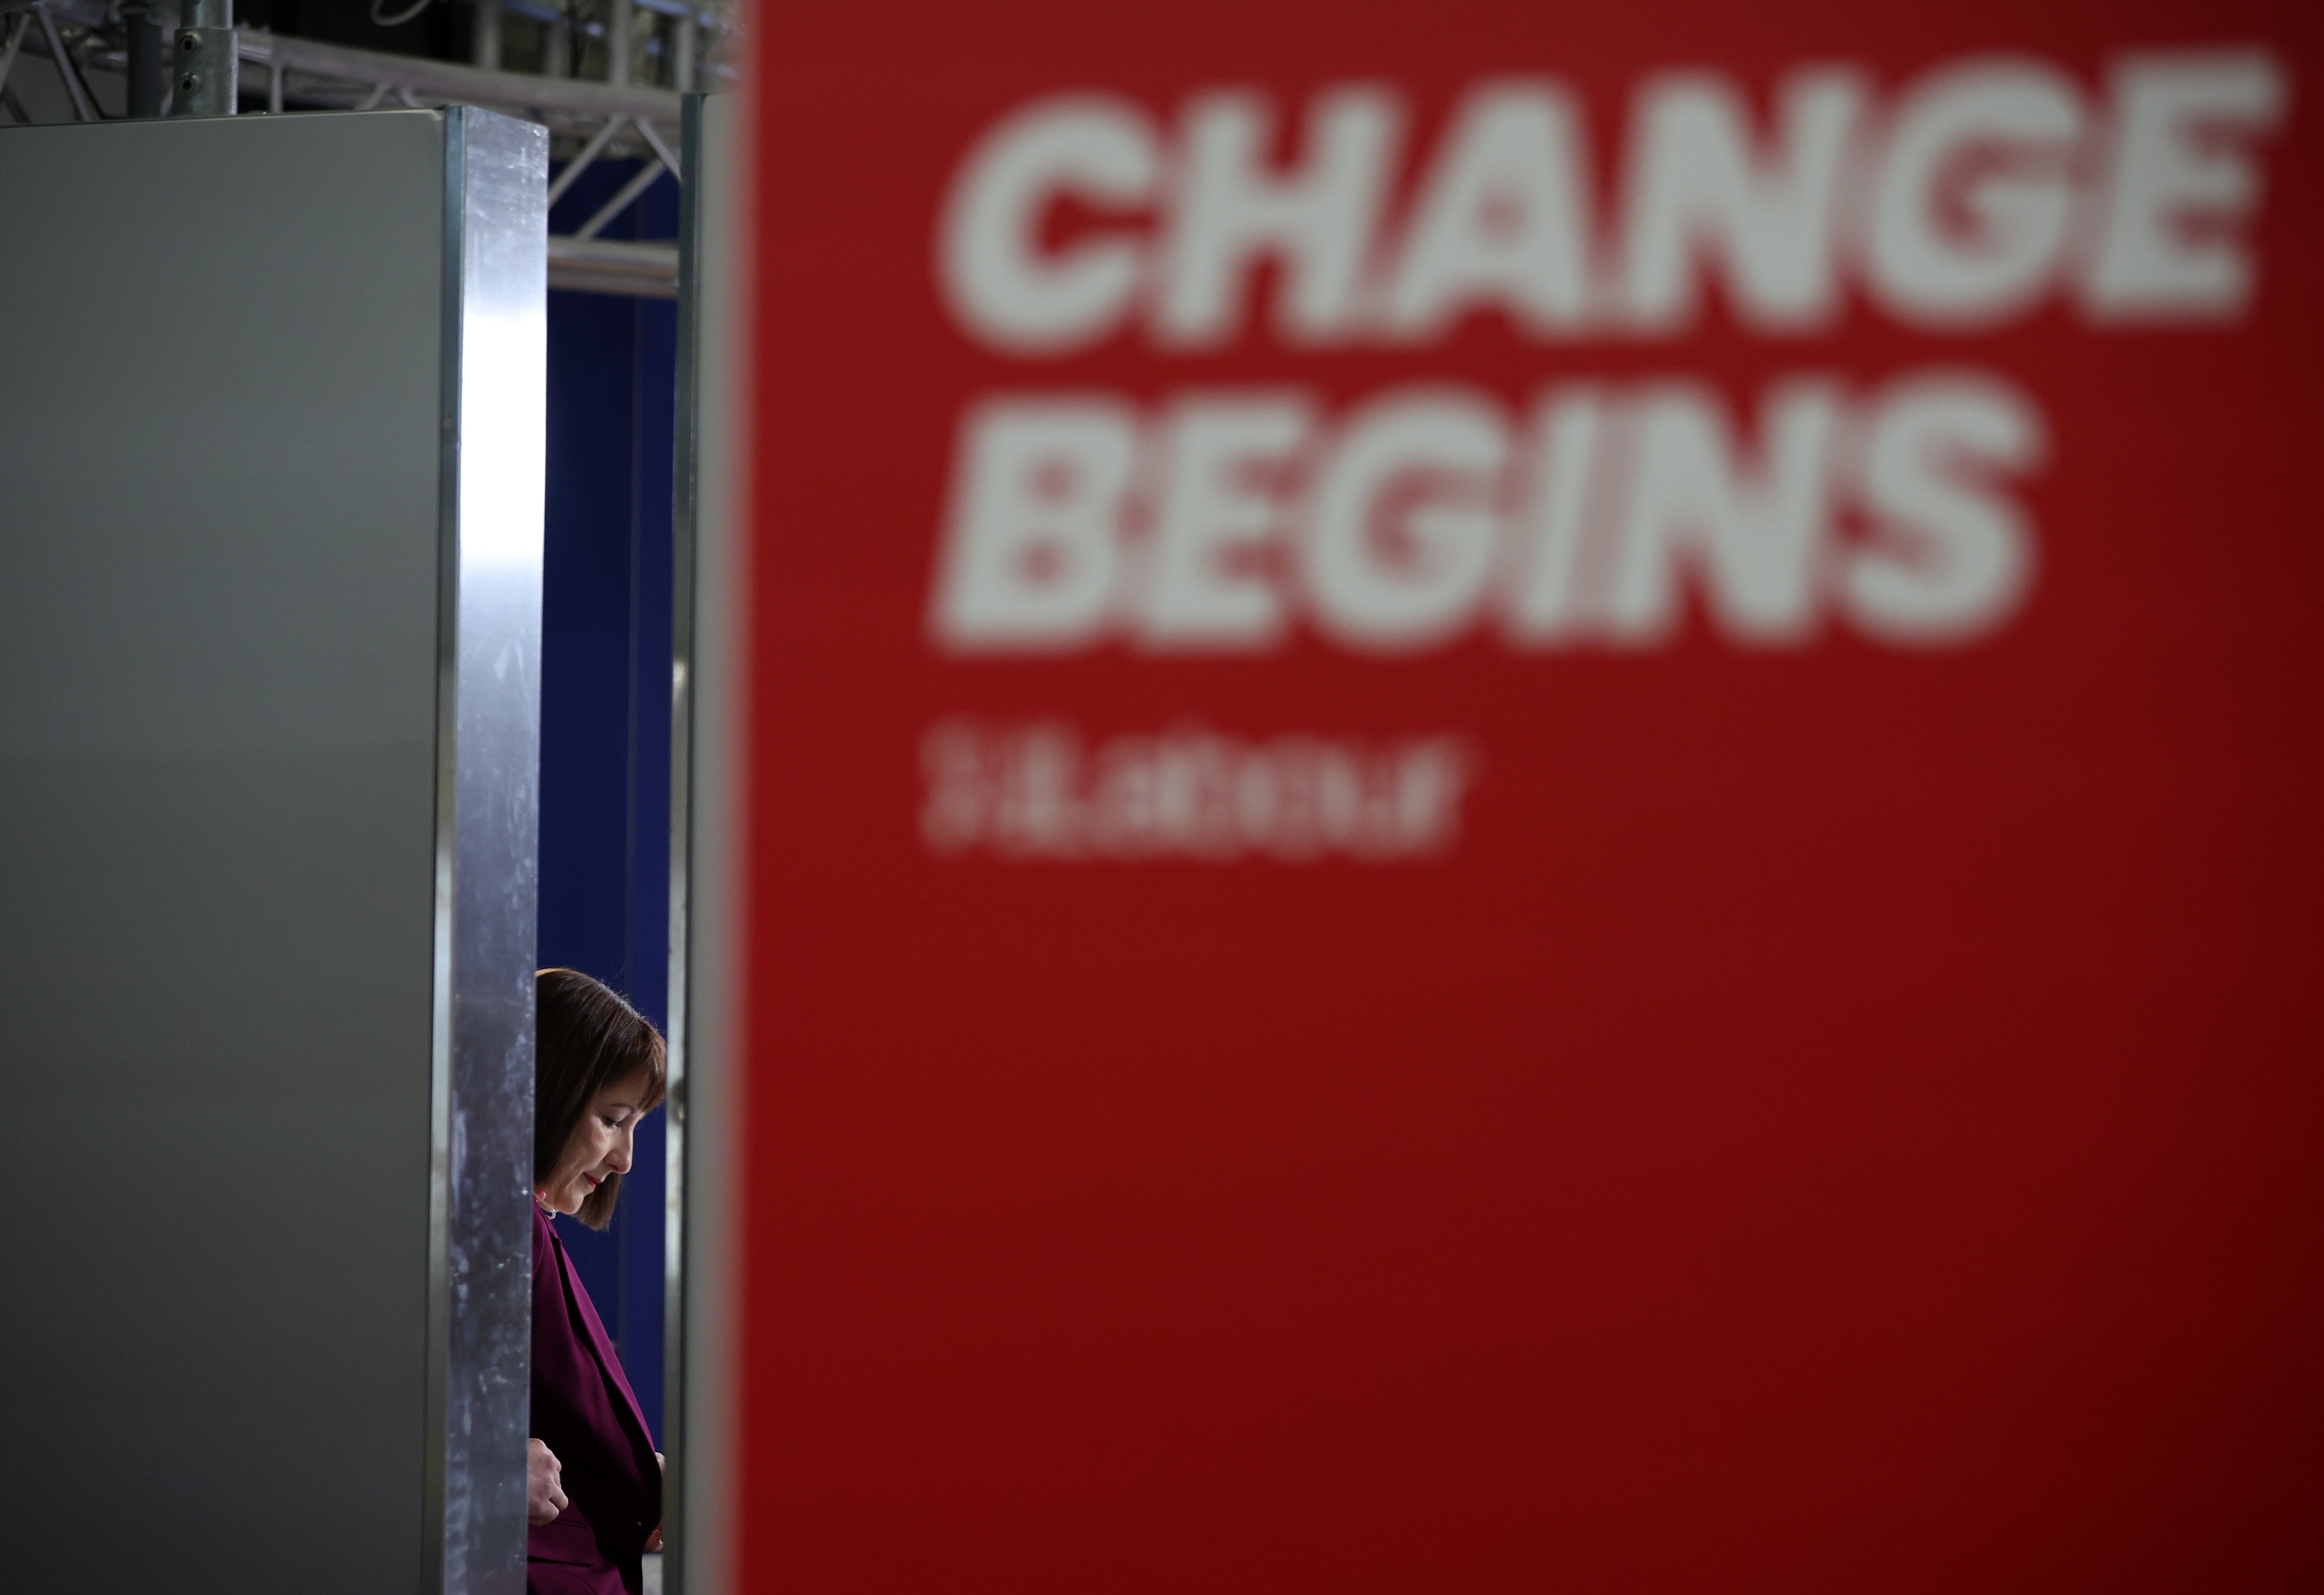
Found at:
[605, 714]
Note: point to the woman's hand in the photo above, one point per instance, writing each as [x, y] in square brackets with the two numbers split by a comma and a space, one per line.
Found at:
[544, 1494]
[653, 1541]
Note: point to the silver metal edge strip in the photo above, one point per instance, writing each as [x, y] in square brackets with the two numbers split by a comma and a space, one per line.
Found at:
[710, 680]
[488, 706]
[448, 749]
[685, 494]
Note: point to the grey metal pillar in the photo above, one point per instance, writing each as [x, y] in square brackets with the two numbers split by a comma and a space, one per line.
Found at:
[705, 829]
[621, 38]
[485, 43]
[146, 65]
[208, 67]
[269, 710]
[685, 44]
[557, 49]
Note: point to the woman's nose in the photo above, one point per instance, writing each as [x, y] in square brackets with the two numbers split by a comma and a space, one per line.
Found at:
[624, 1147]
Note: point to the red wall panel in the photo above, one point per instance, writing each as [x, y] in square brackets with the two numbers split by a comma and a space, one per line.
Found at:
[1804, 1104]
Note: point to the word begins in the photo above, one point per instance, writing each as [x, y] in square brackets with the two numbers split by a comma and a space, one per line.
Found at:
[1037, 791]
[1222, 519]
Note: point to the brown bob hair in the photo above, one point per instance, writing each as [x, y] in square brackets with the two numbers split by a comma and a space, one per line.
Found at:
[588, 1039]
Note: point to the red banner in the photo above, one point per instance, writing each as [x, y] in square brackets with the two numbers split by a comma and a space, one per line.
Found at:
[1536, 798]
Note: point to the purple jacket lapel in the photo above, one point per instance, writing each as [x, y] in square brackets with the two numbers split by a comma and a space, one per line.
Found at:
[600, 1345]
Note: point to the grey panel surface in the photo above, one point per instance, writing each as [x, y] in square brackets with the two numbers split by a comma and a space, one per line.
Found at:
[220, 463]
[706, 908]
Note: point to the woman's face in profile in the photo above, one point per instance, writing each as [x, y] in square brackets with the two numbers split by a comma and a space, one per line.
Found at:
[600, 1148]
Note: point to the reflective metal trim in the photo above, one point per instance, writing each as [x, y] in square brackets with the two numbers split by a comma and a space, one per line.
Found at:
[708, 685]
[487, 852]
[683, 511]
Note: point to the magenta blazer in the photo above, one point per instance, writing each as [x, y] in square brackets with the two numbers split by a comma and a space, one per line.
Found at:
[583, 1410]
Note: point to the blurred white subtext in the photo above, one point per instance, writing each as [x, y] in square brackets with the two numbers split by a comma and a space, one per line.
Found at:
[1043, 791]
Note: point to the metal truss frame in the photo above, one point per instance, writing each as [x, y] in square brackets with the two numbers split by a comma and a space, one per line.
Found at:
[592, 119]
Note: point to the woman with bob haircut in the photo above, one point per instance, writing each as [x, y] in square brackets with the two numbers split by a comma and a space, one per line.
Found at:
[593, 1477]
